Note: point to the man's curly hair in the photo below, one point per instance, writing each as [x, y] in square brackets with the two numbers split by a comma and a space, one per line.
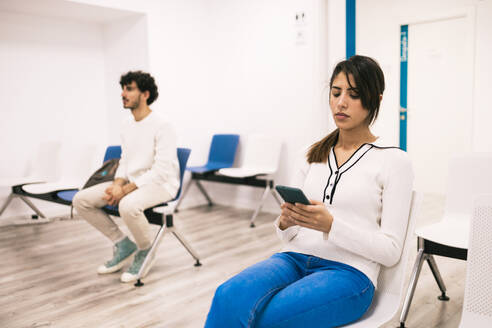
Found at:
[144, 81]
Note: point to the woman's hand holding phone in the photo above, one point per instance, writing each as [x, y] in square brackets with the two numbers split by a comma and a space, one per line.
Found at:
[285, 221]
[315, 216]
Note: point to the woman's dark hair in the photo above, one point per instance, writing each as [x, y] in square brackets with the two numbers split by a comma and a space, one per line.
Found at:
[369, 82]
[144, 81]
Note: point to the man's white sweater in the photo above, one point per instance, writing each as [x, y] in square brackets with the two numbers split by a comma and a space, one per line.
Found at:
[149, 153]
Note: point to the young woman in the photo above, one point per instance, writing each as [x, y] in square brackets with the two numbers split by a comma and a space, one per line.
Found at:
[360, 191]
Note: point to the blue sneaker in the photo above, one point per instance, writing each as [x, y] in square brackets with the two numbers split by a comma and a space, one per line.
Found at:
[132, 272]
[122, 255]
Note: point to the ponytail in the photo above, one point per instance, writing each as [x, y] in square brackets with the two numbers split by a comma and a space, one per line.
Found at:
[318, 152]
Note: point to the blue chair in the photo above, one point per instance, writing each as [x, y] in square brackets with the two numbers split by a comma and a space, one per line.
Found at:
[156, 215]
[221, 155]
[112, 152]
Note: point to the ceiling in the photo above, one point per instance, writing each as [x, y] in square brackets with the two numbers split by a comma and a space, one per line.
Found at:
[65, 9]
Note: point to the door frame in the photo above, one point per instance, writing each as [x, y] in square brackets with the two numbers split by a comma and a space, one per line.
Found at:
[469, 13]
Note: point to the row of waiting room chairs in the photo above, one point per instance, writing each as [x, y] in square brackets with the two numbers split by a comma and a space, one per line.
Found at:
[221, 157]
[54, 166]
[161, 214]
[449, 237]
[260, 162]
[469, 177]
[259, 165]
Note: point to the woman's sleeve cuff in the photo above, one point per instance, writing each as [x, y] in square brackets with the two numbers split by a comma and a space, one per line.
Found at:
[287, 234]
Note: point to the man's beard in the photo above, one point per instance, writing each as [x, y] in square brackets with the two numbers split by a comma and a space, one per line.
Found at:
[133, 106]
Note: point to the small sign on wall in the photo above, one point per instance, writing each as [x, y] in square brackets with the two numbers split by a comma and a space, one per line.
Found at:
[300, 28]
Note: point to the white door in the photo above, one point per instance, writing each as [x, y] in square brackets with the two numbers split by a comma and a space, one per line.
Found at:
[439, 99]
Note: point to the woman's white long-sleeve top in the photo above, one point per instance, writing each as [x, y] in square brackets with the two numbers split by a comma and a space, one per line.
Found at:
[369, 197]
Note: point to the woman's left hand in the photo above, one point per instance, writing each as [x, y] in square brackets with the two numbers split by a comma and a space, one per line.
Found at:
[314, 216]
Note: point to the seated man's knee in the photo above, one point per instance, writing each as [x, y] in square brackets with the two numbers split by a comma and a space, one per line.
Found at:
[80, 201]
[127, 208]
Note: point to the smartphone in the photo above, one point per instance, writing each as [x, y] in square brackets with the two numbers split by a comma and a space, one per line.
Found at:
[292, 195]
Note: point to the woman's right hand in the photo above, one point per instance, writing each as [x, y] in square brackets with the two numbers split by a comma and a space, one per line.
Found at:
[285, 221]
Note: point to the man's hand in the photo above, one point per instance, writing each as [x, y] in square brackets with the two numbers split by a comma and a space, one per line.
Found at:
[117, 191]
[114, 194]
[314, 216]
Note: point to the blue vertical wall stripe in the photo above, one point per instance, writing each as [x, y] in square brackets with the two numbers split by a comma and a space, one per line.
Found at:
[349, 28]
[403, 85]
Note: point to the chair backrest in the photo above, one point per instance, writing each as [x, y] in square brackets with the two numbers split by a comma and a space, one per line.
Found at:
[112, 152]
[389, 292]
[477, 304]
[262, 152]
[46, 162]
[183, 155]
[223, 150]
[78, 161]
[391, 280]
[469, 175]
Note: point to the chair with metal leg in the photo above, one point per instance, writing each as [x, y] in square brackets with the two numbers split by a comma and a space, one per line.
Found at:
[44, 168]
[73, 173]
[77, 162]
[260, 163]
[477, 304]
[469, 175]
[162, 215]
[221, 155]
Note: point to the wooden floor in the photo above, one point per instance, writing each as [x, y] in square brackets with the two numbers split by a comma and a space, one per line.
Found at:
[48, 276]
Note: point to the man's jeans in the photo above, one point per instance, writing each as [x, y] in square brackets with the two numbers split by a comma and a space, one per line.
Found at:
[292, 290]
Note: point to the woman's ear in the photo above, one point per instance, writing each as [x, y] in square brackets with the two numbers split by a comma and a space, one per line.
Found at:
[380, 97]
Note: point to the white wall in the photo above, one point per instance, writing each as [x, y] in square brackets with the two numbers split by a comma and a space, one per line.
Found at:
[51, 77]
[262, 81]
[125, 48]
[336, 33]
[52, 86]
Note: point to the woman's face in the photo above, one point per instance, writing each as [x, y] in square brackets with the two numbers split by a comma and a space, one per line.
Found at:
[345, 104]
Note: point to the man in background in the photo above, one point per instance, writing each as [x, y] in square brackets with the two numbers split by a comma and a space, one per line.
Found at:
[147, 175]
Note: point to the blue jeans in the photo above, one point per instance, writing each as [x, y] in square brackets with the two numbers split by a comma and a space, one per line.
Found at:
[291, 290]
